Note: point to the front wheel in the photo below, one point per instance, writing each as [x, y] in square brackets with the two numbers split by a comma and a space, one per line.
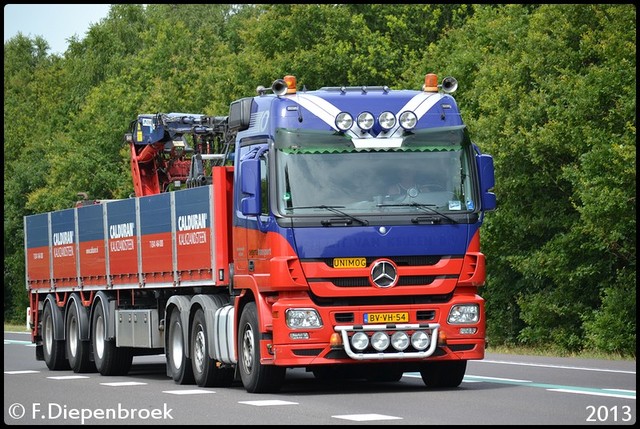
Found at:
[256, 378]
[444, 373]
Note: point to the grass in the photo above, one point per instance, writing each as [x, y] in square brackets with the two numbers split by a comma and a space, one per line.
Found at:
[10, 327]
[550, 352]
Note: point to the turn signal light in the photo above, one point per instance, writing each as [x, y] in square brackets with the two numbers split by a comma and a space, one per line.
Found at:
[442, 338]
[336, 340]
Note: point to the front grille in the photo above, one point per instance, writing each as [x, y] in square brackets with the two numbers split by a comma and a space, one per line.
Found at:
[347, 281]
[379, 300]
[344, 317]
[425, 315]
[364, 281]
[421, 316]
[401, 261]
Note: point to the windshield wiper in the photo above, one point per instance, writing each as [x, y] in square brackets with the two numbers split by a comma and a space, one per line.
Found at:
[424, 207]
[335, 210]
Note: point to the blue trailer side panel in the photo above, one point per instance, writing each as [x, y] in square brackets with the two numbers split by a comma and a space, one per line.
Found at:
[156, 240]
[63, 247]
[91, 240]
[37, 255]
[122, 239]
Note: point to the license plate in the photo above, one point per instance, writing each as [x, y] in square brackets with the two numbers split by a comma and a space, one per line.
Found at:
[386, 317]
[349, 262]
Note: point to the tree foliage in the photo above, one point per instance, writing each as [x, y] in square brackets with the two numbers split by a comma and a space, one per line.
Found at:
[549, 90]
[550, 93]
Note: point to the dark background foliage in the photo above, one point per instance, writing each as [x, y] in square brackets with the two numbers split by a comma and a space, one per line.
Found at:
[549, 90]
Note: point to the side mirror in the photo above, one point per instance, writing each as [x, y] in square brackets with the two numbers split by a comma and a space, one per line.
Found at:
[486, 173]
[250, 186]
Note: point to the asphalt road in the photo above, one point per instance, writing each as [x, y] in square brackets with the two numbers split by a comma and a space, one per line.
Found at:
[499, 390]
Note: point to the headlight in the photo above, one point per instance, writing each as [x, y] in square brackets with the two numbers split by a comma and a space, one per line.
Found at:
[303, 318]
[464, 314]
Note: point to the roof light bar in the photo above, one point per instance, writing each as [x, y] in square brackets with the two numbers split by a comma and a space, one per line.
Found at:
[344, 121]
[365, 121]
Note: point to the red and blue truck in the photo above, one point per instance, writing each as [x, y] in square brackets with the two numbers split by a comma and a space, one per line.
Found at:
[279, 236]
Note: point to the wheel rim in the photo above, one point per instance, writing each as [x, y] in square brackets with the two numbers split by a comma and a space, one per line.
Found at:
[247, 349]
[99, 337]
[48, 334]
[199, 347]
[176, 346]
[72, 336]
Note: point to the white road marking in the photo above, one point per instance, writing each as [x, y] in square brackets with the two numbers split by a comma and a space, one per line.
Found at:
[188, 392]
[475, 378]
[20, 342]
[484, 378]
[552, 366]
[27, 371]
[615, 393]
[591, 392]
[366, 417]
[67, 377]
[267, 402]
[123, 383]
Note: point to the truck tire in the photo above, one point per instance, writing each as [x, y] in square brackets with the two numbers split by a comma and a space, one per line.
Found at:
[256, 378]
[178, 364]
[109, 359]
[78, 351]
[443, 374]
[52, 349]
[206, 371]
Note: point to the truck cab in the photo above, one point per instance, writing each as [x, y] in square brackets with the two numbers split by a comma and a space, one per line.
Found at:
[363, 275]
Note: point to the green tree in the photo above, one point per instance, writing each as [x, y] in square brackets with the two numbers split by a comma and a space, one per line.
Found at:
[28, 77]
[551, 95]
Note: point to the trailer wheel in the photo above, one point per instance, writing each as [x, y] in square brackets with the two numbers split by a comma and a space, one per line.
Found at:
[109, 359]
[206, 371]
[256, 378]
[444, 373]
[179, 365]
[52, 349]
[78, 351]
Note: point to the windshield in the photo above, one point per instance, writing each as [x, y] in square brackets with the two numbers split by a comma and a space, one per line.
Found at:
[317, 170]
